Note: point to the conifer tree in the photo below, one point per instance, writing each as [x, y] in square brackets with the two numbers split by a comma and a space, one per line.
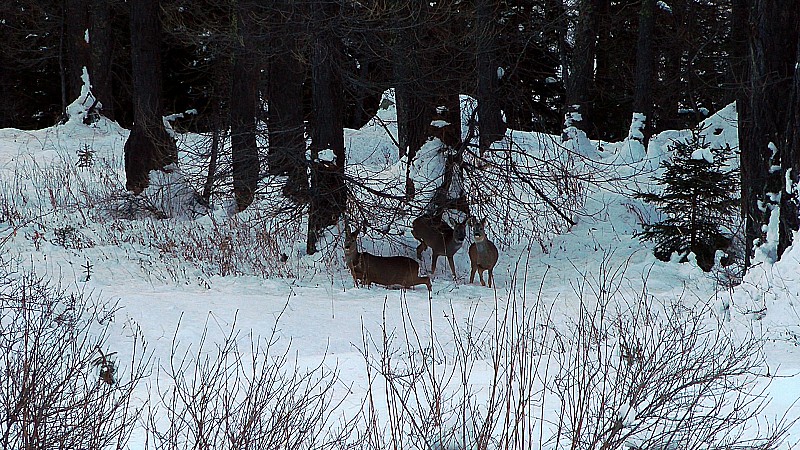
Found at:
[698, 198]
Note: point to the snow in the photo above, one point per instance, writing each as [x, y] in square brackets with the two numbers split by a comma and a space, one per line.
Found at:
[168, 275]
[327, 155]
[79, 108]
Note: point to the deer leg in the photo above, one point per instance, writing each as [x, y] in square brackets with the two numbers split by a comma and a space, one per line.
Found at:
[472, 274]
[452, 266]
[480, 274]
[434, 258]
[421, 248]
[491, 278]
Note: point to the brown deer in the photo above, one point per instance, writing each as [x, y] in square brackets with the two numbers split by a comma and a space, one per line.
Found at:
[389, 271]
[443, 240]
[482, 253]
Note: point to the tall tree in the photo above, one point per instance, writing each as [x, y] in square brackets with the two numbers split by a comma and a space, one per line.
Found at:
[328, 194]
[149, 146]
[582, 64]
[492, 127]
[286, 75]
[101, 43]
[244, 102]
[768, 122]
[643, 77]
[76, 47]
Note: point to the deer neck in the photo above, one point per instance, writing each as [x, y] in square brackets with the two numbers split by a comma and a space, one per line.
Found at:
[482, 245]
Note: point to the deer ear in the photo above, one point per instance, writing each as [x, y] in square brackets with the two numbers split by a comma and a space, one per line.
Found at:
[483, 221]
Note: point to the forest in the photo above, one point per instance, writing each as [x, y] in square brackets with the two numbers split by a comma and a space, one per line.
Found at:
[391, 224]
[296, 73]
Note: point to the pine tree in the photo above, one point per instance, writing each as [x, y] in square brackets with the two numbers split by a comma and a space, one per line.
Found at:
[698, 198]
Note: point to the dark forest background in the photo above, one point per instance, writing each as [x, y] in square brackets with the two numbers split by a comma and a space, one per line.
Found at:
[308, 69]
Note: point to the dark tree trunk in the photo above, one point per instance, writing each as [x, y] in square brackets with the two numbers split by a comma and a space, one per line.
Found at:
[773, 56]
[490, 120]
[749, 161]
[790, 158]
[102, 48]
[445, 123]
[581, 76]
[643, 78]
[328, 191]
[411, 87]
[243, 109]
[286, 127]
[78, 54]
[148, 147]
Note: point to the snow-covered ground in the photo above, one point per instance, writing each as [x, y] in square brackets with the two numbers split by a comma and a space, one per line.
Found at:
[63, 210]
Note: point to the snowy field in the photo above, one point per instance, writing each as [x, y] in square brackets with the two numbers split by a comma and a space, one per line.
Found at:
[182, 281]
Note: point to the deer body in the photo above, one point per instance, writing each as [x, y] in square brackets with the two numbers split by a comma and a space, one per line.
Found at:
[483, 253]
[390, 271]
[443, 240]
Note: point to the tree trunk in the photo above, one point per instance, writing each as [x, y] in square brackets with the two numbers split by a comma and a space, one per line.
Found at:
[243, 108]
[286, 127]
[148, 147]
[790, 160]
[643, 78]
[328, 192]
[773, 56]
[749, 162]
[102, 49]
[491, 125]
[581, 76]
[78, 54]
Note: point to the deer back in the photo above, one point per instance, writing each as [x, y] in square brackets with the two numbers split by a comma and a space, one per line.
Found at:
[434, 232]
[385, 270]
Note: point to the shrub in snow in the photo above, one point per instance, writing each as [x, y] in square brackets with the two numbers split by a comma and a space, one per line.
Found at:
[59, 386]
[698, 198]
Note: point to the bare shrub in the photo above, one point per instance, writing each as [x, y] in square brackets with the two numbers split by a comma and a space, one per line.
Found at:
[60, 386]
[228, 397]
[646, 373]
[630, 372]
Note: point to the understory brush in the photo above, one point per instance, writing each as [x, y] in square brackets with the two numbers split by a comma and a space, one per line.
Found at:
[627, 371]
[60, 384]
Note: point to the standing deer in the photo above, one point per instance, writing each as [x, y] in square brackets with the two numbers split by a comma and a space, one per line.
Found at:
[389, 271]
[482, 253]
[433, 232]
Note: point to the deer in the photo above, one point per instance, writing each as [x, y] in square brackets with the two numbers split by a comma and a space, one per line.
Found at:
[389, 271]
[482, 253]
[434, 233]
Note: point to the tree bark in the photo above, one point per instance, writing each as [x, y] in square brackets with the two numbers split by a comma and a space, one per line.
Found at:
[102, 54]
[78, 54]
[328, 191]
[286, 126]
[790, 160]
[490, 120]
[643, 78]
[767, 142]
[243, 109]
[148, 147]
[582, 65]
